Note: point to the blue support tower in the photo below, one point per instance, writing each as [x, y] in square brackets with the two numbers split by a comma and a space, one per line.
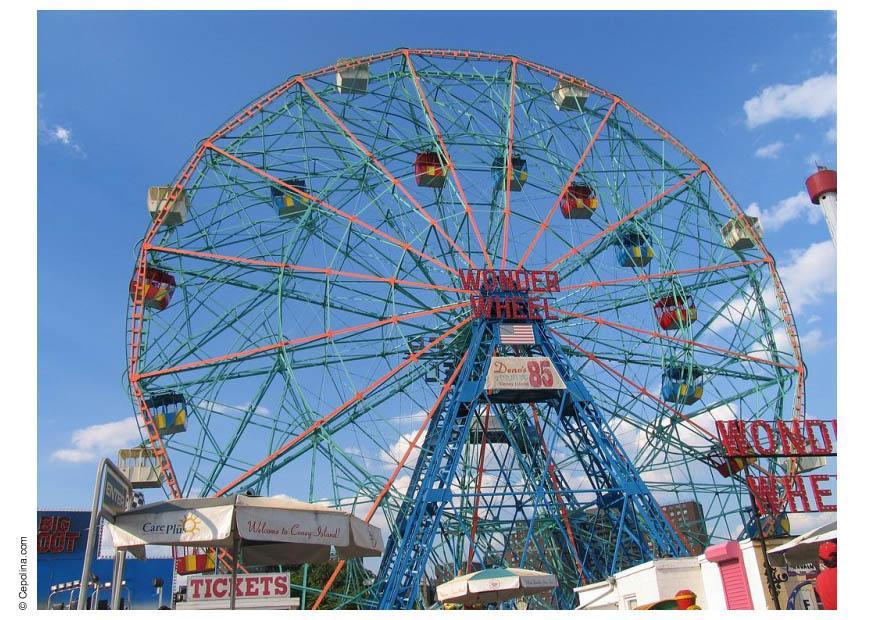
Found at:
[614, 524]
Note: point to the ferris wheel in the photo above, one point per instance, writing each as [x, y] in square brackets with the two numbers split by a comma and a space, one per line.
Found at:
[327, 290]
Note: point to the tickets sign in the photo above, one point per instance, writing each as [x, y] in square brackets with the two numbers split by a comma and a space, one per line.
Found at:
[260, 585]
[522, 373]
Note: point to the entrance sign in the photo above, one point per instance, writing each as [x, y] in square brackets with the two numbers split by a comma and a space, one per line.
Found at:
[523, 373]
[117, 494]
[113, 494]
[772, 496]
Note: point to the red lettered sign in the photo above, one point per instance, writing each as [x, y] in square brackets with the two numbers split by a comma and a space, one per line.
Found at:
[778, 437]
[805, 440]
[776, 494]
[510, 293]
[217, 587]
[54, 535]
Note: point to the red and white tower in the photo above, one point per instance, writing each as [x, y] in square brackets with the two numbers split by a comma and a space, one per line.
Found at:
[822, 188]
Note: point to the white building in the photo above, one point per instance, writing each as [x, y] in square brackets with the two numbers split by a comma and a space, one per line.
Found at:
[727, 576]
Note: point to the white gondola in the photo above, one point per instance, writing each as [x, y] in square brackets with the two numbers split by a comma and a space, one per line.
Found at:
[569, 97]
[140, 467]
[156, 198]
[736, 236]
[352, 78]
[805, 464]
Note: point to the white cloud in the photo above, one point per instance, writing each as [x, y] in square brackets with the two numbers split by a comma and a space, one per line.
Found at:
[57, 134]
[802, 522]
[814, 341]
[285, 497]
[631, 437]
[782, 340]
[810, 275]
[52, 133]
[396, 452]
[831, 135]
[69, 455]
[231, 410]
[769, 151]
[99, 440]
[61, 134]
[737, 311]
[814, 160]
[695, 432]
[786, 210]
[814, 98]
[401, 483]
[655, 476]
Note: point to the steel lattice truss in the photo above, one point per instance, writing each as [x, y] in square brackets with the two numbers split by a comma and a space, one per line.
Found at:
[312, 351]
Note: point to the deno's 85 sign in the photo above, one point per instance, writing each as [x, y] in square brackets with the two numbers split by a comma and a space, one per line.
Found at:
[523, 373]
[540, 373]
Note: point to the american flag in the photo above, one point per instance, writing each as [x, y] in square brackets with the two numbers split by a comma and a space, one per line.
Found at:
[517, 333]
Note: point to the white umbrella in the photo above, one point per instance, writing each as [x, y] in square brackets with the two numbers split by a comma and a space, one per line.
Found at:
[803, 549]
[493, 585]
[270, 531]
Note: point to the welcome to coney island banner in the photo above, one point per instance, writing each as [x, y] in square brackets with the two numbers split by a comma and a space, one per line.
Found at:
[308, 528]
[523, 373]
[271, 522]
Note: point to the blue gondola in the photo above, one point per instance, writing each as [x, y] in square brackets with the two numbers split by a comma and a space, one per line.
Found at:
[287, 202]
[520, 172]
[634, 250]
[682, 384]
[168, 413]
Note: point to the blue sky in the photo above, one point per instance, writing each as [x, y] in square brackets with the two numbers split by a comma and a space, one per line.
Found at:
[123, 98]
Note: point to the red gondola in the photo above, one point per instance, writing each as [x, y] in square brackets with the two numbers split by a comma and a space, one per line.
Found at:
[579, 202]
[675, 311]
[159, 288]
[429, 170]
[726, 466]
